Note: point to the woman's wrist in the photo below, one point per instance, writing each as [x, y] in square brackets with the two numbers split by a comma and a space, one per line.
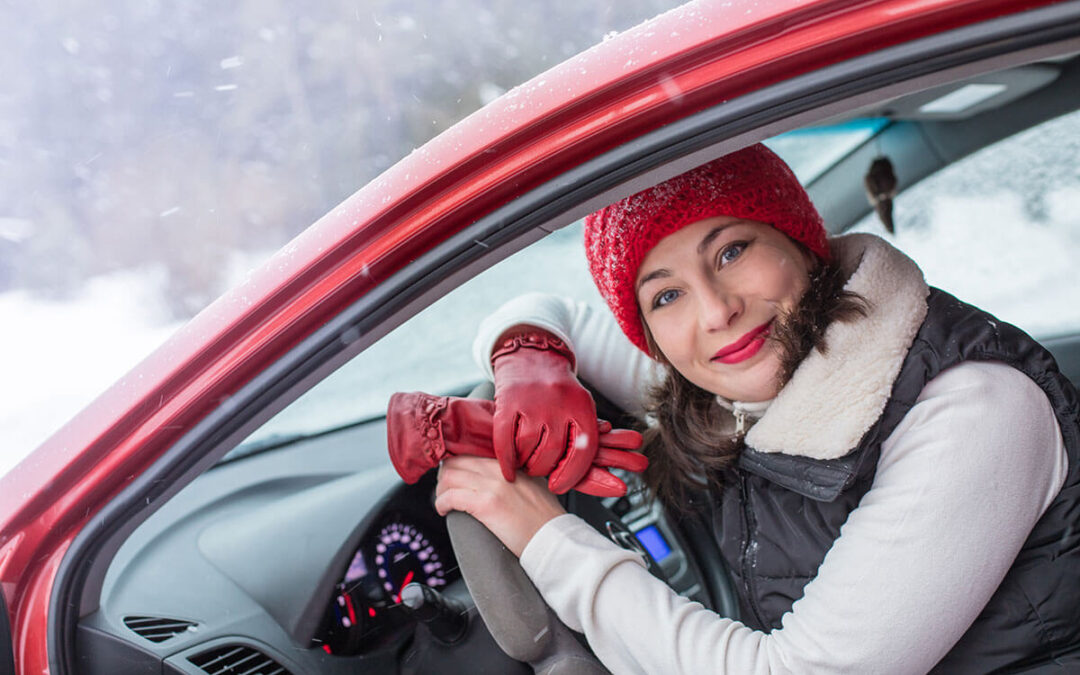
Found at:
[530, 527]
[539, 542]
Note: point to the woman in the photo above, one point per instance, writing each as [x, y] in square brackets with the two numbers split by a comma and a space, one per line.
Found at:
[895, 473]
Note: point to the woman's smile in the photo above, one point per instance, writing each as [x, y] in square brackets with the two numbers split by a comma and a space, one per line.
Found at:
[745, 347]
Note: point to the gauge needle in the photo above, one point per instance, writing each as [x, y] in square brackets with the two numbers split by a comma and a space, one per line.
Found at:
[408, 578]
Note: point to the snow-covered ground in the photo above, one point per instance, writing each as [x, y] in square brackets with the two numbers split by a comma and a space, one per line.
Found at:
[987, 251]
[57, 355]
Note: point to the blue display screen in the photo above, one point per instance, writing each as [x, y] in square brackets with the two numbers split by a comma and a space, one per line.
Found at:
[654, 542]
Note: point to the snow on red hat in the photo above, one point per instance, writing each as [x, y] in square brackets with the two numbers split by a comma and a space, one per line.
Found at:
[752, 183]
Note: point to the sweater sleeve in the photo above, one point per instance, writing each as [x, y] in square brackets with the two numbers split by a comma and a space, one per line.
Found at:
[959, 486]
[606, 359]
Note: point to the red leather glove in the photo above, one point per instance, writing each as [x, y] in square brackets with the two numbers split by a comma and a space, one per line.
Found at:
[422, 430]
[545, 421]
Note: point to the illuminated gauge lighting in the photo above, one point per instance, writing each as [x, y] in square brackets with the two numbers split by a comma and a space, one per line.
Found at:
[357, 568]
[403, 554]
[344, 610]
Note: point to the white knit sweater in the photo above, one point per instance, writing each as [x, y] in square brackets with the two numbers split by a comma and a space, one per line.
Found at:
[917, 559]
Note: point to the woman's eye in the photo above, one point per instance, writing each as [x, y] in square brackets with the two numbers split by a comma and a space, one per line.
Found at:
[731, 252]
[665, 298]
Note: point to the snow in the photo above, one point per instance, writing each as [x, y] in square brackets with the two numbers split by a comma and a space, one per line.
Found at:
[988, 251]
[15, 229]
[58, 355]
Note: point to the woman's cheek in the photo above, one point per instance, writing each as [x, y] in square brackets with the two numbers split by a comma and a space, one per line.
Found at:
[664, 339]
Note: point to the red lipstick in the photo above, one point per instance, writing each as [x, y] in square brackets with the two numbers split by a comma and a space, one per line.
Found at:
[744, 347]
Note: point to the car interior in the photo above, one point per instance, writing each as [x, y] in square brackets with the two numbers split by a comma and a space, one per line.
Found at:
[291, 553]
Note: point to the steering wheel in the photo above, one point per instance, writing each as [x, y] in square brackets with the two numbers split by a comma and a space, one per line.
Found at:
[523, 626]
[516, 616]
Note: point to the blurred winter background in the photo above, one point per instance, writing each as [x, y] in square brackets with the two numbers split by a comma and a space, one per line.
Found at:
[152, 153]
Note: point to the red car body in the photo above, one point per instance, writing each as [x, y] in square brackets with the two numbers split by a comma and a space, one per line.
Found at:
[684, 61]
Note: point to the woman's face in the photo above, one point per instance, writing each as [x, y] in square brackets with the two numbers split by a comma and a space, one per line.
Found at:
[710, 293]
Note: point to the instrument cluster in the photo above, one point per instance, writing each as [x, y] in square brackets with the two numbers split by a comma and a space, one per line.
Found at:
[405, 545]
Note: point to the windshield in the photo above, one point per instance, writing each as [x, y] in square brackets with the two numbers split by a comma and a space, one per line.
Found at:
[812, 151]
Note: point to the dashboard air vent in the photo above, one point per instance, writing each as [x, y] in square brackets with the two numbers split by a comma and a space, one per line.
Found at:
[237, 660]
[156, 628]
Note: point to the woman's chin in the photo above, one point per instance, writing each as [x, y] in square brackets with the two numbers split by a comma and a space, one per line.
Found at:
[751, 381]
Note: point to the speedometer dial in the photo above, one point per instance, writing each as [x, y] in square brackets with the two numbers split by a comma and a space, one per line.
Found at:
[403, 554]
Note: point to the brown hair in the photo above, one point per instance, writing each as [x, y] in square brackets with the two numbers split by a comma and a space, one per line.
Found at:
[688, 444]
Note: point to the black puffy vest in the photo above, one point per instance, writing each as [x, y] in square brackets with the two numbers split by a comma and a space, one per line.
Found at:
[779, 514]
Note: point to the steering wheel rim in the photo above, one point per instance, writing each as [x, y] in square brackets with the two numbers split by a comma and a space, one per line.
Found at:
[517, 617]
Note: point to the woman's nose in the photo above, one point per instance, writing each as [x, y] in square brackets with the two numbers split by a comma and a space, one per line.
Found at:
[718, 309]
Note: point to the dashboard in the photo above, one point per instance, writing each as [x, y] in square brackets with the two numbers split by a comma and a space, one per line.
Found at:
[295, 558]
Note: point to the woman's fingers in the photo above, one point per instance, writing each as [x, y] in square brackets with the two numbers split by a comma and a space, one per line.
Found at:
[512, 511]
[455, 499]
[470, 467]
[464, 482]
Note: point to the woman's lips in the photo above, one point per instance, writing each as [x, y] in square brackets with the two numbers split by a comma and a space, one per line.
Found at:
[744, 347]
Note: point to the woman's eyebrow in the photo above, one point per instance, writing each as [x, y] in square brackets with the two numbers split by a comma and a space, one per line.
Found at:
[701, 247]
[713, 234]
[655, 274]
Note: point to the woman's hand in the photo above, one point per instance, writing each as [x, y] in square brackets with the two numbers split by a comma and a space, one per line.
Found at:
[545, 421]
[514, 512]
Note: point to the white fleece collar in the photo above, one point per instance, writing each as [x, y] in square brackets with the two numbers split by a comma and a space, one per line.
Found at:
[832, 399]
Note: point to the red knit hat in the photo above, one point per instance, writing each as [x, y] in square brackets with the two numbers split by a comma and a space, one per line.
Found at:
[752, 183]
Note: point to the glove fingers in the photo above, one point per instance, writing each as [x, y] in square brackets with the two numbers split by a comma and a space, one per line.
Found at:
[502, 438]
[601, 483]
[545, 453]
[623, 439]
[603, 426]
[621, 459]
[581, 448]
[529, 437]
